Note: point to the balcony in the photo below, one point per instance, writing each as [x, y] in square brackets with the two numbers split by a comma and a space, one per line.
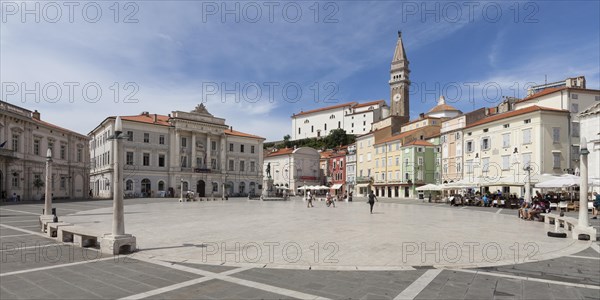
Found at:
[7, 153]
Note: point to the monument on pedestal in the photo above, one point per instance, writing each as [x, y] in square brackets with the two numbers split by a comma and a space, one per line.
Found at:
[583, 230]
[118, 242]
[268, 192]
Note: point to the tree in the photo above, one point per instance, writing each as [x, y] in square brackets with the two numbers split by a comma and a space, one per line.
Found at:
[286, 141]
[38, 183]
[336, 138]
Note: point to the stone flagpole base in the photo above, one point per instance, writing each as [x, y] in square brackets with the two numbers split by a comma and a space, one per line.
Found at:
[117, 244]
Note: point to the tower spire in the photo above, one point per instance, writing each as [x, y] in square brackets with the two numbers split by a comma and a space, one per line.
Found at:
[399, 81]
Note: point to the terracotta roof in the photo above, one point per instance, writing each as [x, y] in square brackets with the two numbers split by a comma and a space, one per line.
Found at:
[148, 119]
[397, 136]
[56, 127]
[283, 151]
[242, 134]
[326, 153]
[419, 143]
[324, 109]
[543, 93]
[380, 102]
[513, 113]
[442, 107]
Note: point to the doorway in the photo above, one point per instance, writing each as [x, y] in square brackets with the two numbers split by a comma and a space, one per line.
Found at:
[406, 193]
[201, 188]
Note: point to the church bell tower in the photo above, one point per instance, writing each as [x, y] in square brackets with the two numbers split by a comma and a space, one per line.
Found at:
[399, 82]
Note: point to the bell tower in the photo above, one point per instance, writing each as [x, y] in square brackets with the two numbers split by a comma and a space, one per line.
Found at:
[399, 82]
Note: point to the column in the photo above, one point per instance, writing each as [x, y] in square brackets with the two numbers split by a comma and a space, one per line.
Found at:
[223, 157]
[193, 158]
[208, 152]
[177, 159]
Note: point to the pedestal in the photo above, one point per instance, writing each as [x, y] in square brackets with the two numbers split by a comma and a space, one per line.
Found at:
[117, 244]
[268, 190]
[44, 220]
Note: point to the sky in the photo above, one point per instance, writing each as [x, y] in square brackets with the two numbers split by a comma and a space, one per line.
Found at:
[256, 63]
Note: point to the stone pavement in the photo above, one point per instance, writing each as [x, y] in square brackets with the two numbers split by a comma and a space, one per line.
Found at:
[35, 267]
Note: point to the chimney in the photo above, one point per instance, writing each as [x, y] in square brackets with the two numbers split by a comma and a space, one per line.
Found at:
[231, 128]
[422, 115]
[36, 115]
[155, 118]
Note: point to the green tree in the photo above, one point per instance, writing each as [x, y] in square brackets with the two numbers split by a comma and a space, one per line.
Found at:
[38, 183]
[336, 138]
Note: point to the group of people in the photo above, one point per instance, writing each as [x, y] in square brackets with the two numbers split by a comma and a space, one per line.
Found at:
[330, 201]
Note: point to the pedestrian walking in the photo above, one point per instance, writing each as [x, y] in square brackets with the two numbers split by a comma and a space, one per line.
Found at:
[372, 200]
[596, 205]
[309, 199]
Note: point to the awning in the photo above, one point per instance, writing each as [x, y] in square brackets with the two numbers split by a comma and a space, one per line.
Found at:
[336, 186]
[362, 185]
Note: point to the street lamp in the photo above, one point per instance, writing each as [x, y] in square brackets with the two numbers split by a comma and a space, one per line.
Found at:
[47, 216]
[181, 188]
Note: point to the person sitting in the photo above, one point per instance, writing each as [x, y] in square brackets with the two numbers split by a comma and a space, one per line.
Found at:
[524, 211]
[535, 211]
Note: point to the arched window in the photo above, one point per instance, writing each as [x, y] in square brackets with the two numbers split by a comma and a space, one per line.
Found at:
[215, 187]
[129, 185]
[306, 121]
[332, 117]
[242, 188]
[161, 185]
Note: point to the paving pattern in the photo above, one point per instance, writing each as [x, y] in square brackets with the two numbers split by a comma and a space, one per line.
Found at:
[35, 267]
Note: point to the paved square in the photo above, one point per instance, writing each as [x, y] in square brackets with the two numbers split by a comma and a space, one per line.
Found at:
[182, 254]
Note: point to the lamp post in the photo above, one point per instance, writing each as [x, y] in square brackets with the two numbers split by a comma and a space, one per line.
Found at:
[181, 188]
[118, 241]
[583, 189]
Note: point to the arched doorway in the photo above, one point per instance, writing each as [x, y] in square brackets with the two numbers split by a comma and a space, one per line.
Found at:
[229, 188]
[242, 188]
[146, 187]
[201, 188]
[252, 188]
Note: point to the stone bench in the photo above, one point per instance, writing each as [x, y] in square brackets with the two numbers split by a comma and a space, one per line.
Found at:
[570, 224]
[81, 236]
[52, 228]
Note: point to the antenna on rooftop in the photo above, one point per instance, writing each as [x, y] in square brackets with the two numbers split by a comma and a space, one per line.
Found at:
[545, 79]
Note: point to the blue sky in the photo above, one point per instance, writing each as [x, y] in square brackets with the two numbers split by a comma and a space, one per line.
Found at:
[181, 53]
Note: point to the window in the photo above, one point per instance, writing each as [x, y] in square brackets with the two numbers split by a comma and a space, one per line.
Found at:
[15, 180]
[63, 182]
[470, 146]
[146, 159]
[469, 166]
[312, 128]
[213, 163]
[420, 161]
[79, 154]
[215, 187]
[129, 158]
[63, 152]
[15, 142]
[36, 147]
[213, 145]
[242, 148]
[360, 158]
[575, 151]
[527, 121]
[231, 164]
[130, 136]
[505, 162]
[506, 125]
[339, 124]
[129, 185]
[230, 147]
[183, 142]
[369, 156]
[527, 136]
[486, 130]
[574, 96]
[458, 149]
[575, 129]
[458, 167]
[555, 135]
[574, 107]
[526, 159]
[161, 185]
[485, 143]
[161, 160]
[397, 160]
[252, 166]
[485, 164]
[161, 139]
[299, 130]
[419, 149]
[390, 161]
[556, 160]
[406, 177]
[325, 126]
[184, 161]
[506, 140]
[146, 137]
[376, 163]
[242, 166]
[251, 149]
[457, 135]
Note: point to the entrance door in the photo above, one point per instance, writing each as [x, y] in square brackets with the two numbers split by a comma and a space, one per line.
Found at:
[389, 192]
[201, 188]
[146, 187]
[406, 193]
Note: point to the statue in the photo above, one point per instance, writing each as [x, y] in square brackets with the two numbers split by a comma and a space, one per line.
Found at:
[201, 109]
[269, 170]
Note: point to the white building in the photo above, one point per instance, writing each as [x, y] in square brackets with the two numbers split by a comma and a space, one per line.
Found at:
[293, 168]
[24, 140]
[590, 129]
[162, 154]
[498, 147]
[355, 118]
[570, 95]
